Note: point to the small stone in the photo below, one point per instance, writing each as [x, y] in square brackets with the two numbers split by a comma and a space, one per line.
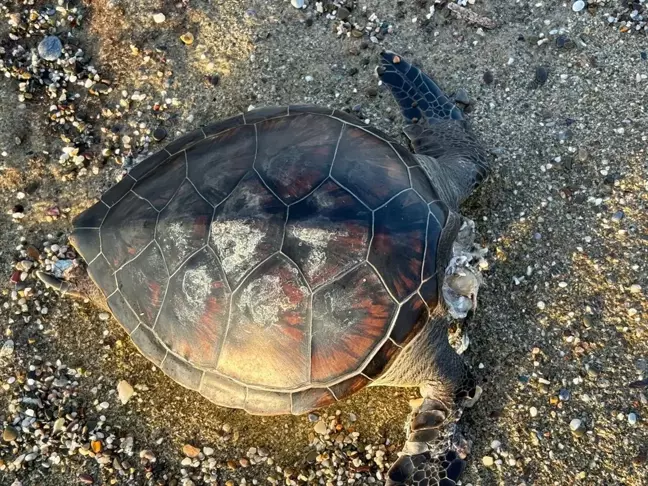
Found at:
[577, 428]
[533, 412]
[635, 289]
[187, 38]
[148, 455]
[85, 479]
[214, 79]
[632, 418]
[488, 461]
[297, 3]
[372, 92]
[158, 18]
[159, 134]
[7, 349]
[343, 13]
[190, 451]
[488, 77]
[578, 5]
[50, 48]
[208, 451]
[496, 444]
[541, 75]
[618, 216]
[125, 391]
[313, 417]
[244, 462]
[59, 425]
[541, 305]
[104, 316]
[96, 446]
[320, 427]
[583, 154]
[9, 434]
[461, 96]
[564, 395]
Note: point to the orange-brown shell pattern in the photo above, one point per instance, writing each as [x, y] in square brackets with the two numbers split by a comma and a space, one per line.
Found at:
[276, 261]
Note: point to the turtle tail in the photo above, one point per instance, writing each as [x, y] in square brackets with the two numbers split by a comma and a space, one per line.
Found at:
[421, 100]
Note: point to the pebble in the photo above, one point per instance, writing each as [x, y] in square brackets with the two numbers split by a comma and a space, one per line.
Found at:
[104, 316]
[541, 75]
[159, 134]
[125, 391]
[618, 216]
[9, 434]
[297, 3]
[533, 411]
[343, 13]
[50, 48]
[488, 461]
[461, 96]
[7, 349]
[488, 77]
[564, 395]
[577, 428]
[208, 451]
[158, 18]
[578, 5]
[541, 305]
[190, 451]
[635, 289]
[320, 427]
[86, 479]
[313, 417]
[632, 418]
[187, 38]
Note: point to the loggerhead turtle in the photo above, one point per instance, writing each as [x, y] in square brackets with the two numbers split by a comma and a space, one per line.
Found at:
[285, 258]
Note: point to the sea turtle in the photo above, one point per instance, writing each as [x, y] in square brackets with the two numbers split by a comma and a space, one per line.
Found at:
[285, 258]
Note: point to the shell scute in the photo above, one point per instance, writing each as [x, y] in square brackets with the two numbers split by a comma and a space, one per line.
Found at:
[412, 316]
[183, 225]
[182, 372]
[87, 242]
[369, 168]
[122, 311]
[222, 391]
[216, 164]
[148, 344]
[247, 228]
[267, 338]
[327, 233]
[311, 399]
[127, 229]
[262, 402]
[398, 244]
[185, 141]
[118, 191]
[193, 318]
[294, 154]
[350, 315]
[158, 188]
[143, 281]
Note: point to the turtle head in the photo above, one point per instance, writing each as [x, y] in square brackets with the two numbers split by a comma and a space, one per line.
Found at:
[76, 284]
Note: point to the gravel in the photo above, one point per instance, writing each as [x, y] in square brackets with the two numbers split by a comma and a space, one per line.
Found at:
[566, 204]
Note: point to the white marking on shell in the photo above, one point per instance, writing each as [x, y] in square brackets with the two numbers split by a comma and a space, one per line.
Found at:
[318, 240]
[236, 242]
[196, 286]
[265, 301]
[176, 234]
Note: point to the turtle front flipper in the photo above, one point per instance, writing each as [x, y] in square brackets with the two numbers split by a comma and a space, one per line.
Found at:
[454, 160]
[420, 98]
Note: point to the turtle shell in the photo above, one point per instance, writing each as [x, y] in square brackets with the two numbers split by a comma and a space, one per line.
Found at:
[276, 261]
